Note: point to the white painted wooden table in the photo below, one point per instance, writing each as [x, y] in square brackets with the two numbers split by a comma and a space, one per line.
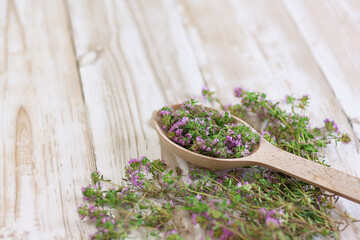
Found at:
[80, 79]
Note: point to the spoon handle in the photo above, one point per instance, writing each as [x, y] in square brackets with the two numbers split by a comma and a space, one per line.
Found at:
[330, 179]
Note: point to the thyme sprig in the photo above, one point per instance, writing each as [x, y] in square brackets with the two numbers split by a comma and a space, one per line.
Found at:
[247, 203]
[207, 132]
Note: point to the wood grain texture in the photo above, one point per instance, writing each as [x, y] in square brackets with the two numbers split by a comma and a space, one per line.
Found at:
[45, 152]
[134, 58]
[332, 31]
[257, 45]
[141, 61]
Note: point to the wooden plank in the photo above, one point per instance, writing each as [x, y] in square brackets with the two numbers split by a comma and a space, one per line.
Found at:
[134, 58]
[45, 151]
[256, 45]
[331, 30]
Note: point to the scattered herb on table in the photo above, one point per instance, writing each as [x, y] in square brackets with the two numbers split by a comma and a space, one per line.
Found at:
[207, 132]
[247, 203]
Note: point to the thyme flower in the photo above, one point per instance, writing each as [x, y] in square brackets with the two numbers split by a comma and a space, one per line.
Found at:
[208, 132]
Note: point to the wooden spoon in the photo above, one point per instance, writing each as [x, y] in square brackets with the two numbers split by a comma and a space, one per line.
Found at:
[266, 154]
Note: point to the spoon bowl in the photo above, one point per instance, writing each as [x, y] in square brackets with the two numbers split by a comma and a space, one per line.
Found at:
[267, 155]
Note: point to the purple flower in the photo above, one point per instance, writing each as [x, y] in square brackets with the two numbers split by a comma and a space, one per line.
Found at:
[181, 142]
[229, 115]
[227, 106]
[165, 112]
[199, 139]
[230, 131]
[271, 212]
[245, 153]
[170, 233]
[198, 197]
[204, 90]
[179, 132]
[174, 126]
[305, 97]
[335, 128]
[147, 167]
[193, 217]
[272, 222]
[98, 186]
[134, 178]
[124, 190]
[263, 211]
[263, 133]
[187, 104]
[184, 120]
[226, 234]
[206, 215]
[228, 139]
[236, 143]
[211, 233]
[331, 126]
[271, 178]
[270, 219]
[238, 92]
[134, 160]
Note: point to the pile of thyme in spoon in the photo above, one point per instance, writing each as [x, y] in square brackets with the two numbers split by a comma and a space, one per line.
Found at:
[207, 132]
[247, 203]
